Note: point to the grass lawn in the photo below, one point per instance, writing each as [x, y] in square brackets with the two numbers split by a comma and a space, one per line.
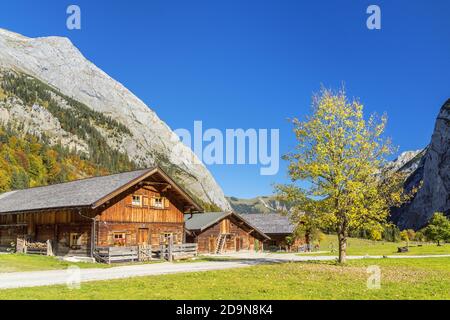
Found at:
[427, 278]
[358, 247]
[23, 262]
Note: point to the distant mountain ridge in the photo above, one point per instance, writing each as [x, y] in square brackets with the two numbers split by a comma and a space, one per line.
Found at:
[431, 175]
[407, 162]
[263, 204]
[107, 112]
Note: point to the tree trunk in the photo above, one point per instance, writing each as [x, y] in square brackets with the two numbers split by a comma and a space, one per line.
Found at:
[342, 238]
[307, 240]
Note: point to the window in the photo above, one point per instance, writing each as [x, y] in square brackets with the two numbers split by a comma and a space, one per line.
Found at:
[119, 238]
[165, 238]
[136, 200]
[158, 203]
[75, 241]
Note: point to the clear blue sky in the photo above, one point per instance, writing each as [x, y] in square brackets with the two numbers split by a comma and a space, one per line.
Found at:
[252, 64]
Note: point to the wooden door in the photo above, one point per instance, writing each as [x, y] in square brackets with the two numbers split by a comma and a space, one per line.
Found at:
[75, 241]
[143, 236]
[238, 243]
[212, 244]
[225, 226]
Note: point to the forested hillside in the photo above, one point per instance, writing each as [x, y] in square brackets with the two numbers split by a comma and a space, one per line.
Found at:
[28, 157]
[27, 161]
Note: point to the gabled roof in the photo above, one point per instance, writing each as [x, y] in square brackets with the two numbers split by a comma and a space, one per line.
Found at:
[91, 192]
[201, 221]
[270, 223]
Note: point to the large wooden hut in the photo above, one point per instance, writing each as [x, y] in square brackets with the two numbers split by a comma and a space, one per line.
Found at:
[220, 232]
[126, 209]
[279, 228]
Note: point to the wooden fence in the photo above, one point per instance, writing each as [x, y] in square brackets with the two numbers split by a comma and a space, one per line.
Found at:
[124, 254]
[145, 253]
[179, 251]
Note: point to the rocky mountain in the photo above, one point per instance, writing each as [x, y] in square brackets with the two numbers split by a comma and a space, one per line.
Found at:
[431, 175]
[68, 100]
[264, 204]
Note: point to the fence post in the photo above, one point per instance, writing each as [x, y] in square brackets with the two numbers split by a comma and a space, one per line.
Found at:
[170, 248]
[19, 245]
[49, 248]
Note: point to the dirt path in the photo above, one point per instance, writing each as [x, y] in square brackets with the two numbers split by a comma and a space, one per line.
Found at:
[55, 277]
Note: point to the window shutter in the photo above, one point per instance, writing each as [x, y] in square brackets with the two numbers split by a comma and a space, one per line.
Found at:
[152, 202]
[145, 201]
[166, 202]
[128, 200]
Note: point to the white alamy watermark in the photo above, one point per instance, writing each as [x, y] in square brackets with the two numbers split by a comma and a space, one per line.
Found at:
[73, 21]
[73, 280]
[231, 147]
[374, 279]
[374, 20]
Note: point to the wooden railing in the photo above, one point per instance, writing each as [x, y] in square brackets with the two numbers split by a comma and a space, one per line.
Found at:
[145, 253]
[124, 254]
[42, 248]
[179, 251]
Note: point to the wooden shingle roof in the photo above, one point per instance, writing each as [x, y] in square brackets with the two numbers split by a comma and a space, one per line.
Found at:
[201, 221]
[90, 192]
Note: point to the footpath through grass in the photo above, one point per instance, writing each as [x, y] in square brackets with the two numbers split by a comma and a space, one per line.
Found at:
[23, 263]
[427, 278]
[362, 247]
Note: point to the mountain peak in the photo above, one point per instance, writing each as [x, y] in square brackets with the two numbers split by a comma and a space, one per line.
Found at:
[58, 63]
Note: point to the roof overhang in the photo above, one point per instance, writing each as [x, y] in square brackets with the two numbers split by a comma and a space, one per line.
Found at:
[250, 225]
[228, 215]
[141, 178]
[195, 207]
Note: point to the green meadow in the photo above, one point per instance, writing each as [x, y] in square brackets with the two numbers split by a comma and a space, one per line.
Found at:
[427, 278]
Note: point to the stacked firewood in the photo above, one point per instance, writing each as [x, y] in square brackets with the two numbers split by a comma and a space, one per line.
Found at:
[37, 245]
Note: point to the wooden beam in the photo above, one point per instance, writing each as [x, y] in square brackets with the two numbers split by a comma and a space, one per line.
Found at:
[13, 225]
[154, 183]
[150, 188]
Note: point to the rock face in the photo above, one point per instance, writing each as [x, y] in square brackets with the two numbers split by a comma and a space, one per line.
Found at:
[56, 62]
[433, 171]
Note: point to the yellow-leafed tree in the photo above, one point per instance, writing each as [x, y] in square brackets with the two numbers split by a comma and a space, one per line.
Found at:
[339, 183]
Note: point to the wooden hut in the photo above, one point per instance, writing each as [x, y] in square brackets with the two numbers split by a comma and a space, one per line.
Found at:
[220, 232]
[143, 207]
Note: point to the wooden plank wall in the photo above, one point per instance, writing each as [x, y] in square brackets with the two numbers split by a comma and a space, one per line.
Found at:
[106, 231]
[118, 215]
[238, 233]
[122, 210]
